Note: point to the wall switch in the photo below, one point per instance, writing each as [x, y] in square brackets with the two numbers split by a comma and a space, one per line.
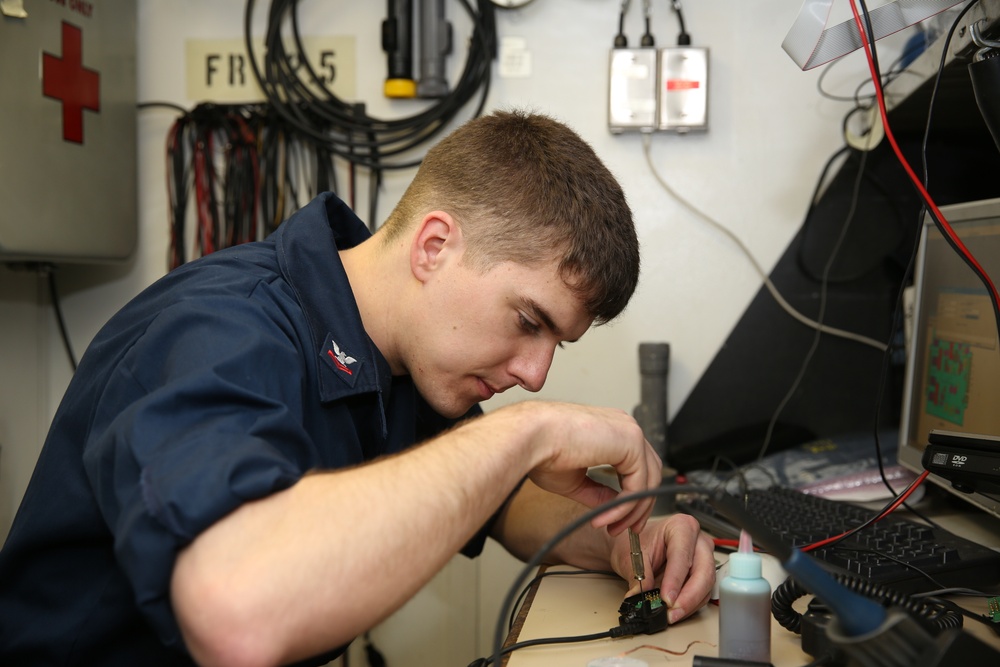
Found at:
[683, 89]
[632, 90]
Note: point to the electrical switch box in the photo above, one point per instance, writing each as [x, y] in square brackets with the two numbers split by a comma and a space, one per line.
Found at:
[68, 130]
[683, 89]
[632, 91]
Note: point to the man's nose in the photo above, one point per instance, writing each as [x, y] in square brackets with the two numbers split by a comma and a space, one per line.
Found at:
[532, 367]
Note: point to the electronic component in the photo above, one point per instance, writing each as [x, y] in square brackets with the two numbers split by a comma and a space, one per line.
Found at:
[397, 42]
[657, 89]
[969, 461]
[952, 357]
[683, 89]
[642, 613]
[632, 90]
[993, 607]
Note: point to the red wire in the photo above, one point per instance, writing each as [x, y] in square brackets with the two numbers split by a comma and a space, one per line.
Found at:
[730, 543]
[888, 510]
[203, 184]
[906, 165]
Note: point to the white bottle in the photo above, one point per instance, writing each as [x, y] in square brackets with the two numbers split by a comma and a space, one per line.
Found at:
[745, 607]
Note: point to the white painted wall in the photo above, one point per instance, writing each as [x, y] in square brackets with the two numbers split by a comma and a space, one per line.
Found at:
[753, 171]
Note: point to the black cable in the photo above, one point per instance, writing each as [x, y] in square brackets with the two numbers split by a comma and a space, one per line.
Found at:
[627, 626]
[924, 195]
[932, 616]
[179, 183]
[884, 371]
[319, 116]
[586, 517]
[928, 612]
[857, 98]
[977, 270]
[485, 662]
[937, 84]
[372, 654]
[824, 285]
[50, 272]
[871, 38]
[154, 104]
[621, 41]
[683, 38]
[907, 275]
[897, 317]
[807, 226]
[877, 516]
[830, 96]
[647, 39]
[958, 609]
[813, 201]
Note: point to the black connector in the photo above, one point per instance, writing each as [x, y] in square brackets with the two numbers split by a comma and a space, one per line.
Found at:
[647, 37]
[683, 38]
[709, 661]
[815, 641]
[641, 614]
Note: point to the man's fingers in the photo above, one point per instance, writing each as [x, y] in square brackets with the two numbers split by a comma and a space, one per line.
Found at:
[690, 571]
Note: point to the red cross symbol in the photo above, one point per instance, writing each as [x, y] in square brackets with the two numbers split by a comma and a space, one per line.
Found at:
[67, 80]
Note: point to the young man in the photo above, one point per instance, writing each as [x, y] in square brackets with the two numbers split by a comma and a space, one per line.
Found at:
[225, 480]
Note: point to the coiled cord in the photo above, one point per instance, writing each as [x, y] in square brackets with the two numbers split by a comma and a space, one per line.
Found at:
[932, 616]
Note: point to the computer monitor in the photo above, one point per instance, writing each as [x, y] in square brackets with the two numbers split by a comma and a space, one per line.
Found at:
[953, 357]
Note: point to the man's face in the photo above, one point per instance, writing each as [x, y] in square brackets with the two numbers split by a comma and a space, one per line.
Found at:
[481, 333]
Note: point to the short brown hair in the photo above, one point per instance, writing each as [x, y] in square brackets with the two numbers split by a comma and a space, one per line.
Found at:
[525, 188]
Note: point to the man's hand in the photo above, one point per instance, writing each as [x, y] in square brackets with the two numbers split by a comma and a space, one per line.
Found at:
[573, 438]
[678, 559]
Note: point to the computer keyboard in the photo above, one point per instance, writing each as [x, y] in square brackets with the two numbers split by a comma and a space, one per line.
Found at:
[892, 552]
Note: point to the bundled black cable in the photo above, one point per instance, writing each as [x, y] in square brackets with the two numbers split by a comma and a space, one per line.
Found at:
[302, 98]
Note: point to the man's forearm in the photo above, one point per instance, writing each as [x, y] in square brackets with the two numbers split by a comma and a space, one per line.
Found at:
[307, 569]
[311, 567]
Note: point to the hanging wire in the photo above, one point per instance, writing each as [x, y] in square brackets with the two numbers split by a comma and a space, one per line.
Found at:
[303, 99]
[246, 167]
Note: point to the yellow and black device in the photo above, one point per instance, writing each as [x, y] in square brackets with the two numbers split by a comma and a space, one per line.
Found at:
[397, 42]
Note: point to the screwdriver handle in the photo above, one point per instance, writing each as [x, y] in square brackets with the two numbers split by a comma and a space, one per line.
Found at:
[638, 569]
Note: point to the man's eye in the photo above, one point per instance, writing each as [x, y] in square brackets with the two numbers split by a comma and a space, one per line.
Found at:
[528, 325]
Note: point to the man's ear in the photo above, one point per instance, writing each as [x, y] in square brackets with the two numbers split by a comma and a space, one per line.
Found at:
[436, 239]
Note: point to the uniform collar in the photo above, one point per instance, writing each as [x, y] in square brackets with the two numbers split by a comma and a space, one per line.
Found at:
[307, 245]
